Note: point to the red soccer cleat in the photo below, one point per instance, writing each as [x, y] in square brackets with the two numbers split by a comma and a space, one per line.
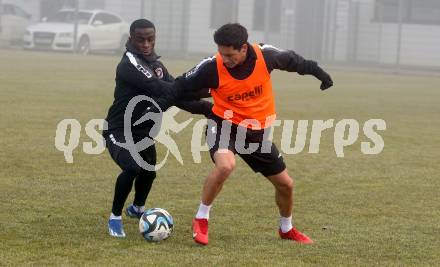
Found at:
[296, 235]
[200, 231]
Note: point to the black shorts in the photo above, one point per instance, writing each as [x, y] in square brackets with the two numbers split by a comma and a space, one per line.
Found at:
[122, 156]
[260, 154]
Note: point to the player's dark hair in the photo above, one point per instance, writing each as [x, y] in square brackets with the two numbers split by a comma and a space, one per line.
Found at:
[141, 24]
[231, 34]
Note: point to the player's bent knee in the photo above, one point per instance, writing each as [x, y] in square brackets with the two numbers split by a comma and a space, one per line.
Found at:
[285, 185]
[225, 169]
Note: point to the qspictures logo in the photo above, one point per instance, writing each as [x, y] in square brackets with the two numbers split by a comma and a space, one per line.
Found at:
[346, 133]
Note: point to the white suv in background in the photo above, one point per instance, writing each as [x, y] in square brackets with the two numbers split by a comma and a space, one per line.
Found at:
[98, 30]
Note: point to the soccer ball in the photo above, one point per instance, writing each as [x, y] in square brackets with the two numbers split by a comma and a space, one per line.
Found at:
[156, 224]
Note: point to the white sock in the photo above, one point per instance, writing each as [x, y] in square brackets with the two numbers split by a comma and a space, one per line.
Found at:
[285, 224]
[203, 212]
[139, 208]
[113, 217]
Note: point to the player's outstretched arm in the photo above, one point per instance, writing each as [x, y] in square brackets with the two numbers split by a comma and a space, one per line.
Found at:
[324, 77]
[288, 60]
[191, 102]
[202, 107]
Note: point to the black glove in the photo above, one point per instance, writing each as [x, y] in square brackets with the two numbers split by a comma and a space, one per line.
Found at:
[324, 77]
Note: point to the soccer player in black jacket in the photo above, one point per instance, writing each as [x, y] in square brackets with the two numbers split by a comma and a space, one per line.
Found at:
[139, 73]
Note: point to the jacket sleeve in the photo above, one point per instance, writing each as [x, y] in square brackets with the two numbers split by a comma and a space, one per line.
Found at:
[196, 106]
[192, 106]
[196, 83]
[288, 60]
[142, 80]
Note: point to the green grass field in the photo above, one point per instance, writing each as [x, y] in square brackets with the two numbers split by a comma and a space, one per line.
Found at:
[376, 209]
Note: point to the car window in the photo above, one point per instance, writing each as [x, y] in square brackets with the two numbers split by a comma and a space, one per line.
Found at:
[69, 17]
[20, 12]
[113, 18]
[107, 18]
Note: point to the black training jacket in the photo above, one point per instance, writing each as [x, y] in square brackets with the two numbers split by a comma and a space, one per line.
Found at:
[139, 75]
[205, 74]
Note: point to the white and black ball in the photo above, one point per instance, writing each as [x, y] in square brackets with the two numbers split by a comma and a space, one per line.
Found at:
[156, 224]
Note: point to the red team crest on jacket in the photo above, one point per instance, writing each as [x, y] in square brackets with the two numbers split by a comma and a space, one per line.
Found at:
[159, 72]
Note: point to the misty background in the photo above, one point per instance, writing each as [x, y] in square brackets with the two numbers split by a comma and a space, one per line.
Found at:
[376, 33]
[367, 210]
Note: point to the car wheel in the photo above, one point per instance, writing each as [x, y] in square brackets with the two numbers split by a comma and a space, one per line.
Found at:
[83, 47]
